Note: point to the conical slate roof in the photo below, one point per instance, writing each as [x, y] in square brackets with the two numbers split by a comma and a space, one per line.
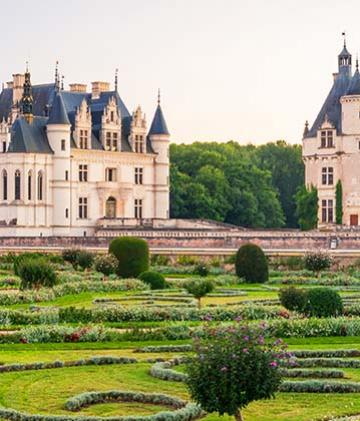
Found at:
[158, 125]
[354, 87]
[58, 114]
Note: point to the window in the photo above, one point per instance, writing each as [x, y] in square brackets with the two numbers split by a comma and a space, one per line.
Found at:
[110, 174]
[17, 185]
[66, 175]
[111, 141]
[4, 147]
[83, 139]
[66, 213]
[4, 177]
[139, 144]
[327, 138]
[108, 141]
[83, 172]
[112, 116]
[83, 206]
[115, 142]
[138, 208]
[40, 185]
[139, 175]
[327, 210]
[327, 176]
[29, 185]
[63, 144]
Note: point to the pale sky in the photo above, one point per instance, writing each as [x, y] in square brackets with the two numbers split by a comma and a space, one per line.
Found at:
[247, 70]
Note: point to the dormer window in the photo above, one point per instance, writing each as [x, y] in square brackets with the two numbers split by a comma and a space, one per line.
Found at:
[327, 138]
[111, 142]
[139, 144]
[83, 139]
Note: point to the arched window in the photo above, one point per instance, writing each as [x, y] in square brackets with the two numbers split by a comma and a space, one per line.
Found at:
[4, 179]
[29, 185]
[110, 208]
[17, 185]
[40, 185]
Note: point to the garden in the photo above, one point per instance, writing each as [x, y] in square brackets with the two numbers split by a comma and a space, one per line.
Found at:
[128, 336]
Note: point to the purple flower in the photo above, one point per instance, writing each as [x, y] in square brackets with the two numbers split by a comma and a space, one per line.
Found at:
[273, 364]
[261, 340]
[246, 338]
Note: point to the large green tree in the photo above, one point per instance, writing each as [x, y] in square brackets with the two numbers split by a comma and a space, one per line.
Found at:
[307, 207]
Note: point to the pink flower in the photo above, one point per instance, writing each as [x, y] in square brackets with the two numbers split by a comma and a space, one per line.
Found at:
[224, 368]
[273, 364]
[246, 338]
[245, 351]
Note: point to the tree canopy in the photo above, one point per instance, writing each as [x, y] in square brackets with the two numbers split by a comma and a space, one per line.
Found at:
[242, 185]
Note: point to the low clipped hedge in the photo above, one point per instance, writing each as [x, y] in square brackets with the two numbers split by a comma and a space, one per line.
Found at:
[319, 386]
[163, 371]
[154, 279]
[300, 373]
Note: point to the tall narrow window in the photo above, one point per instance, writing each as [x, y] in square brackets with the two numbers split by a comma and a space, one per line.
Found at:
[110, 174]
[40, 186]
[63, 144]
[29, 185]
[138, 175]
[17, 185]
[327, 210]
[83, 210]
[83, 172]
[327, 176]
[66, 213]
[138, 208]
[4, 178]
[139, 144]
[327, 139]
[4, 147]
[115, 142]
[66, 175]
[108, 141]
[83, 139]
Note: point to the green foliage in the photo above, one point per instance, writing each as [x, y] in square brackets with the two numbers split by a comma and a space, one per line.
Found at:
[307, 205]
[85, 259]
[293, 299]
[17, 259]
[223, 182]
[323, 302]
[339, 203]
[132, 255]
[317, 261]
[105, 264]
[35, 273]
[199, 288]
[201, 269]
[232, 368]
[159, 260]
[185, 260]
[154, 279]
[71, 255]
[251, 264]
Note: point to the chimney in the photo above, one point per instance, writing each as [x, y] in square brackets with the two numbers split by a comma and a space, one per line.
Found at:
[78, 87]
[18, 87]
[98, 87]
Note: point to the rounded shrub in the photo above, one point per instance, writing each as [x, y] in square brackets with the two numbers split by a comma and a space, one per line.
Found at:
[132, 255]
[35, 273]
[251, 264]
[323, 302]
[85, 259]
[199, 288]
[201, 269]
[317, 261]
[154, 279]
[71, 255]
[293, 299]
[105, 264]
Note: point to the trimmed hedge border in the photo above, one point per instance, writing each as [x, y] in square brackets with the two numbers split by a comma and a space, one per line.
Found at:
[163, 371]
[326, 362]
[328, 353]
[319, 386]
[165, 348]
[320, 374]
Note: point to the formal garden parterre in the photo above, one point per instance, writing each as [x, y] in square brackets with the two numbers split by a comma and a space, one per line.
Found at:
[80, 336]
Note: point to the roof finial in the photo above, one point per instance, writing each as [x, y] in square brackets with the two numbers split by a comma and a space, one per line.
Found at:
[344, 35]
[357, 62]
[27, 67]
[116, 79]
[306, 129]
[57, 79]
[159, 96]
[62, 82]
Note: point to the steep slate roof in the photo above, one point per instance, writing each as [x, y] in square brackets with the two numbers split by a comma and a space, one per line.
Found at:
[158, 125]
[354, 86]
[27, 137]
[58, 114]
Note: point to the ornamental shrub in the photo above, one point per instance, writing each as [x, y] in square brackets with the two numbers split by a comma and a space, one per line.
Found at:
[251, 264]
[293, 299]
[233, 367]
[23, 256]
[154, 279]
[323, 302]
[199, 289]
[35, 273]
[132, 255]
[105, 264]
[71, 255]
[84, 259]
[317, 261]
[201, 269]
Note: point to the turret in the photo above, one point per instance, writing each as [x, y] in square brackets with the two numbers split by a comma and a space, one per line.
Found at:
[344, 60]
[27, 99]
[159, 138]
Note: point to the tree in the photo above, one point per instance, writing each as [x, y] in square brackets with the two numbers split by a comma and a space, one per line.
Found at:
[251, 264]
[339, 203]
[307, 207]
[199, 289]
[232, 367]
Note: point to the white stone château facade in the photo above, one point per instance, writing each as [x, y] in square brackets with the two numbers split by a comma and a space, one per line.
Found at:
[331, 147]
[72, 161]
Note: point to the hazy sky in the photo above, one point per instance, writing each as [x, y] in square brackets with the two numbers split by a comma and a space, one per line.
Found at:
[248, 70]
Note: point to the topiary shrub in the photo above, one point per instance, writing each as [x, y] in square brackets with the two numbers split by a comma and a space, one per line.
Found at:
[154, 279]
[317, 261]
[35, 273]
[84, 259]
[323, 302]
[105, 264]
[132, 255]
[71, 256]
[201, 269]
[199, 289]
[293, 299]
[251, 264]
